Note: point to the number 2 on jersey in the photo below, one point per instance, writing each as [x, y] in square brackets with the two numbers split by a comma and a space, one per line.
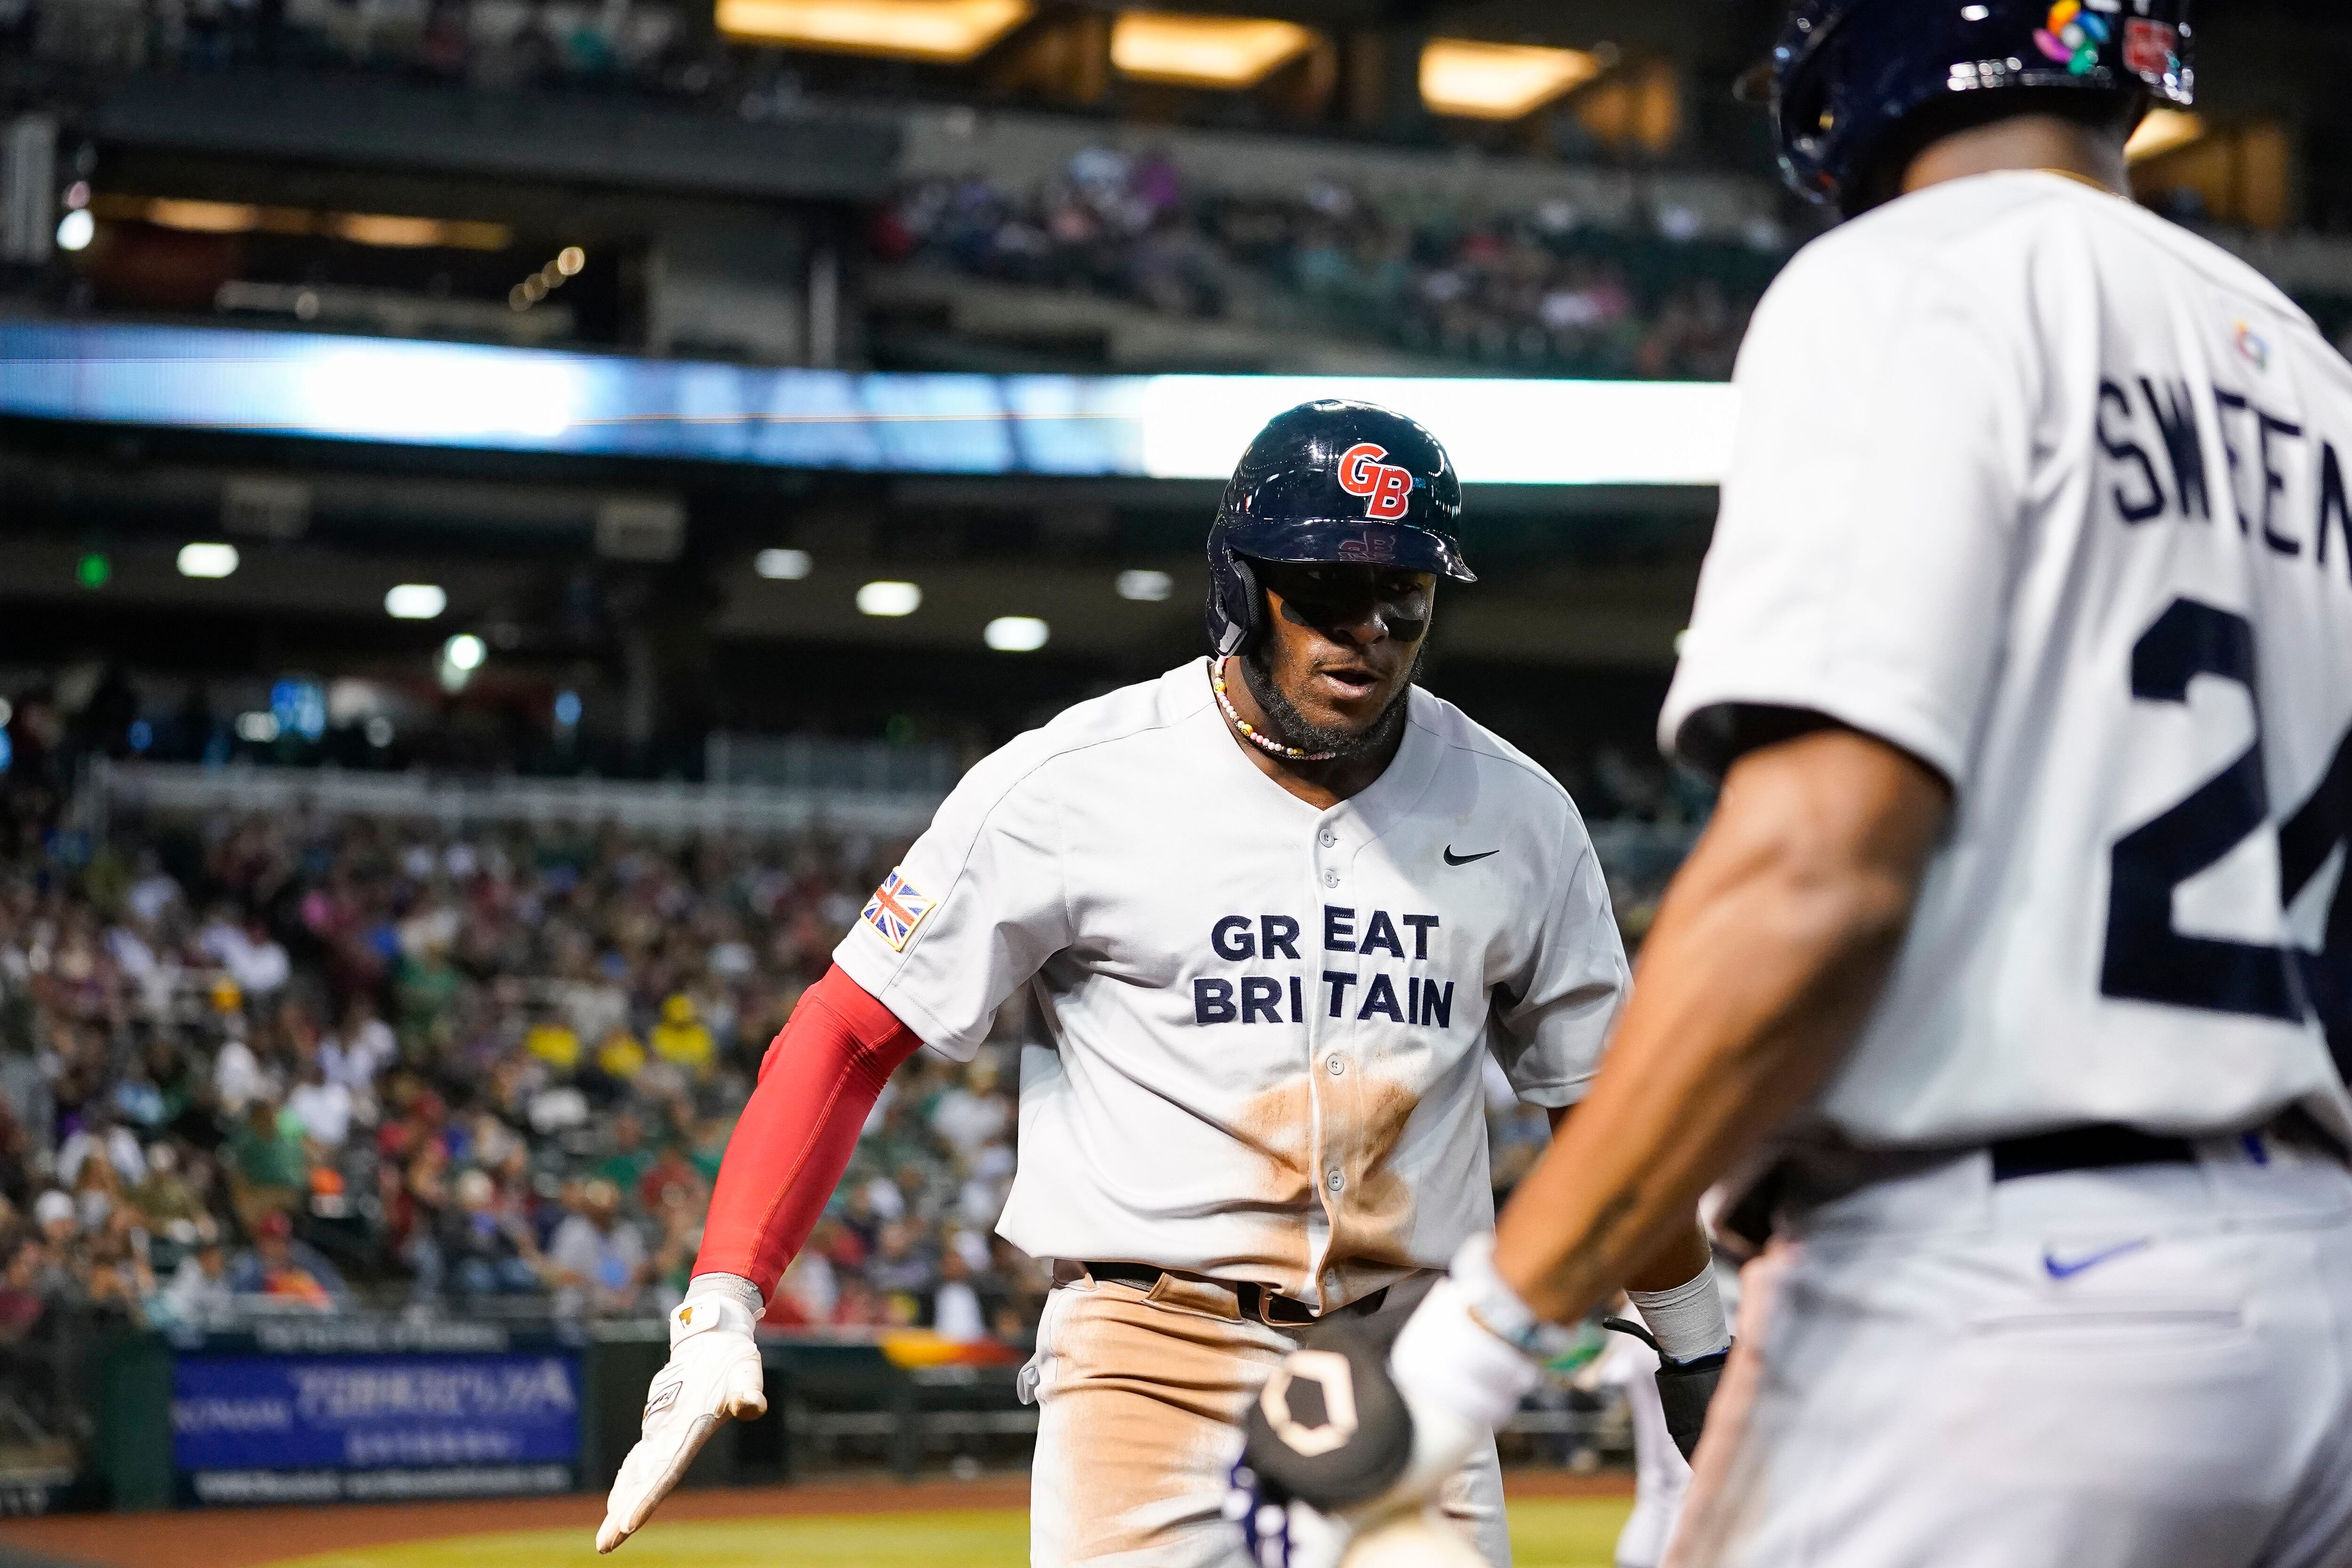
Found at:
[2146, 958]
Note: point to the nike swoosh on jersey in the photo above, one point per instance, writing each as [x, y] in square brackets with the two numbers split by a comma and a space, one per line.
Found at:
[2068, 1268]
[1454, 859]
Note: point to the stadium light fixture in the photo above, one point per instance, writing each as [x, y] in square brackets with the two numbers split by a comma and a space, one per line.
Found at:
[1221, 53]
[243, 217]
[944, 32]
[889, 598]
[1475, 80]
[465, 651]
[1145, 586]
[77, 229]
[416, 601]
[203, 217]
[1015, 634]
[783, 565]
[208, 559]
[2164, 131]
[385, 229]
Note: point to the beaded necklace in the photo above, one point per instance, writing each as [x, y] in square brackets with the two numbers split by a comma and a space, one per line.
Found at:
[1249, 733]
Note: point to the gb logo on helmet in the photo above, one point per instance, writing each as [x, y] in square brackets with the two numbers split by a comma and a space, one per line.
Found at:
[1386, 489]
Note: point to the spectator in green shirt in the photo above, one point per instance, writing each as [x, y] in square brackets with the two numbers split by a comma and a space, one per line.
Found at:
[268, 1168]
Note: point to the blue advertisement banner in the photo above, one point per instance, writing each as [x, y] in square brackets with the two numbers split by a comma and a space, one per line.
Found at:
[354, 1413]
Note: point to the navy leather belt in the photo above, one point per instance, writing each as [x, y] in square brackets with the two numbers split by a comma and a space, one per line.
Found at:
[2097, 1146]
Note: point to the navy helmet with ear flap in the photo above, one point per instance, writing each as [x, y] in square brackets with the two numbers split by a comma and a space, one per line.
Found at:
[1846, 72]
[1330, 482]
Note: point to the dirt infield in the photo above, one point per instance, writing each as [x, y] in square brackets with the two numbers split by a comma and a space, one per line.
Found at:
[245, 1537]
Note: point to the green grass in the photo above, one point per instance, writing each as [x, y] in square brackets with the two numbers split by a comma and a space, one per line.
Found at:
[1551, 1532]
[1567, 1532]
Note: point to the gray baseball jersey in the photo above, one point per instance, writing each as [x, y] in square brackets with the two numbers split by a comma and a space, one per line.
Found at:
[1264, 1023]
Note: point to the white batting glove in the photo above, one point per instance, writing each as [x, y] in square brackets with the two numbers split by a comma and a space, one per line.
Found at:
[713, 1376]
[1350, 1432]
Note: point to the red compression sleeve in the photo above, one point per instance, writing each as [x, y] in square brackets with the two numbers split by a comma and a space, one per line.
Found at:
[817, 1083]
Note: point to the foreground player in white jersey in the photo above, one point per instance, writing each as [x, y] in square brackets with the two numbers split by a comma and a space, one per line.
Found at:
[1272, 909]
[2005, 979]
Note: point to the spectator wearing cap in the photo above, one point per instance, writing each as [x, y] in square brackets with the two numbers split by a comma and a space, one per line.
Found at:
[55, 1217]
[485, 1249]
[597, 1259]
[283, 1270]
[199, 1291]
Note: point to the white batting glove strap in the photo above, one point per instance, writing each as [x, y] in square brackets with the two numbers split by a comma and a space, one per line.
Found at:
[713, 1376]
[715, 1303]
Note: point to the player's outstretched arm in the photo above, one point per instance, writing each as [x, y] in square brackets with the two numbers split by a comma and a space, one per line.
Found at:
[819, 1079]
[1765, 956]
[1768, 953]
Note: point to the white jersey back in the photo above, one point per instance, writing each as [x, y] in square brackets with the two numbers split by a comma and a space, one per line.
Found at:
[1265, 1024]
[2058, 497]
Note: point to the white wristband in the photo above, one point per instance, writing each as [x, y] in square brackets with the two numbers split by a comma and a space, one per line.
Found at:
[1448, 1359]
[1498, 1307]
[716, 1301]
[1688, 1320]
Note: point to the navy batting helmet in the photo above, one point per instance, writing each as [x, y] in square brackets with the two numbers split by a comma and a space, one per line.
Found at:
[1846, 72]
[1332, 482]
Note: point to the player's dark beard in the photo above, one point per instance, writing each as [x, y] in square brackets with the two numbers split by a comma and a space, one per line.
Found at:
[1295, 728]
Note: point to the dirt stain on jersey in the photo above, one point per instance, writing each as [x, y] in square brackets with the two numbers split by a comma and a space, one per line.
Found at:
[1372, 1215]
[1277, 1125]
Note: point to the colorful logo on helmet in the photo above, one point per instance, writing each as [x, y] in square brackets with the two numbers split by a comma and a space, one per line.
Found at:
[2151, 49]
[1387, 489]
[2072, 36]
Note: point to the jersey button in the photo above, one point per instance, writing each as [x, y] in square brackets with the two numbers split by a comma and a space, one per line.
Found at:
[1334, 1066]
[1337, 1181]
[1326, 839]
[1330, 877]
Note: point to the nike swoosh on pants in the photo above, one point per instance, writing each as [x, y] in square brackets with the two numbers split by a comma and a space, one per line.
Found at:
[2067, 1268]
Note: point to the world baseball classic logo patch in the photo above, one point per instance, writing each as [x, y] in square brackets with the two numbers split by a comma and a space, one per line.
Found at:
[895, 909]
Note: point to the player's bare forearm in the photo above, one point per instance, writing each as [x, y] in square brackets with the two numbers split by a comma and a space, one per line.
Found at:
[1677, 1260]
[1767, 954]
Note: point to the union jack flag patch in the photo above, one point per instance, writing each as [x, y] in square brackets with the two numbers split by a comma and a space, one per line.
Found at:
[895, 909]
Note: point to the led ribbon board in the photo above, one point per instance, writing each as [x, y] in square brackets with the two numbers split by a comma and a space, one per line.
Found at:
[1501, 431]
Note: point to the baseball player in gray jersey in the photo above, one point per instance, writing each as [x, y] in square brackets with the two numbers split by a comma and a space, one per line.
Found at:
[2003, 985]
[1272, 908]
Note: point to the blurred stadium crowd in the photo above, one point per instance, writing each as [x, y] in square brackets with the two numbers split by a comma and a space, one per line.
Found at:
[1536, 290]
[282, 1065]
[490, 44]
[274, 1066]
